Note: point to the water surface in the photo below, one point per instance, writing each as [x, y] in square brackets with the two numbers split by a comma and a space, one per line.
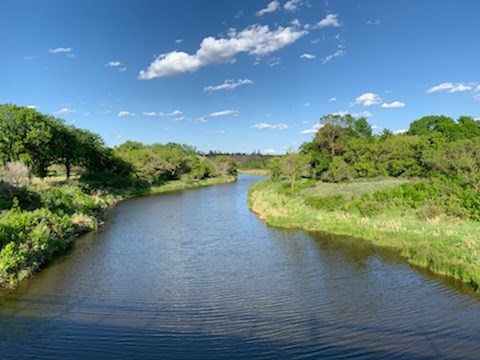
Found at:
[194, 274]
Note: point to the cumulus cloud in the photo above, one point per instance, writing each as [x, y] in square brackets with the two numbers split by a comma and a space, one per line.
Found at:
[34, 107]
[307, 56]
[367, 99]
[264, 126]
[178, 41]
[338, 53]
[271, 7]
[395, 104]
[64, 111]
[332, 99]
[292, 5]
[451, 87]
[306, 104]
[373, 22]
[227, 85]
[152, 113]
[125, 113]
[330, 20]
[256, 40]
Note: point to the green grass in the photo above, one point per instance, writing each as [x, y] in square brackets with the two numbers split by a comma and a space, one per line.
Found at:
[445, 245]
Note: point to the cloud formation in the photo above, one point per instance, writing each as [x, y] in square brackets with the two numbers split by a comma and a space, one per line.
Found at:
[367, 99]
[60, 50]
[395, 104]
[330, 20]
[264, 126]
[228, 84]
[451, 87]
[292, 5]
[64, 111]
[271, 7]
[338, 53]
[125, 113]
[256, 40]
[307, 56]
[223, 113]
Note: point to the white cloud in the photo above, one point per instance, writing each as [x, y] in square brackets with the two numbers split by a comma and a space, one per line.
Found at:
[271, 7]
[306, 104]
[60, 50]
[34, 107]
[28, 58]
[395, 104]
[269, 151]
[307, 56]
[402, 131]
[330, 20]
[223, 113]
[174, 63]
[451, 87]
[64, 111]
[441, 87]
[313, 130]
[175, 113]
[461, 87]
[373, 22]
[227, 85]
[264, 126]
[367, 99]
[256, 40]
[292, 5]
[114, 63]
[338, 53]
[178, 41]
[125, 113]
[332, 99]
[152, 113]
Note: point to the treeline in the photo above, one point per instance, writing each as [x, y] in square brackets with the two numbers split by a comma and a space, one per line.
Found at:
[439, 155]
[40, 141]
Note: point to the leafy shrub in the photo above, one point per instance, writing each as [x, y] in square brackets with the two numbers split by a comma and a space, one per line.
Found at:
[330, 202]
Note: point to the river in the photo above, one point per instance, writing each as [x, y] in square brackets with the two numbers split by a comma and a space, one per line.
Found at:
[194, 274]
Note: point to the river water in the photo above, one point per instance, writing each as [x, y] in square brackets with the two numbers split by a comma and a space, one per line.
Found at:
[194, 274]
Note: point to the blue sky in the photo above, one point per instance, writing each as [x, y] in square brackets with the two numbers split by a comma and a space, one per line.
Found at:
[239, 76]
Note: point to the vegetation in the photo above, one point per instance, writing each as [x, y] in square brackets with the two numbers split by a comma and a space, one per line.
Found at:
[417, 191]
[40, 218]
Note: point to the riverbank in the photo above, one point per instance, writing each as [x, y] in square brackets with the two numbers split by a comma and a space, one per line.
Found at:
[53, 214]
[445, 245]
[259, 172]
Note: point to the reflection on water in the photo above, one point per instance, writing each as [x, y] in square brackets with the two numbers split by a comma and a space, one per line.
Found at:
[194, 274]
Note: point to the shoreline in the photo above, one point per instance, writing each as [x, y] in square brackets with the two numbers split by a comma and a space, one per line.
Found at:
[84, 224]
[433, 246]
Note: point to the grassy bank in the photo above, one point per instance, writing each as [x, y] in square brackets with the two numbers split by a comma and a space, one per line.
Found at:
[260, 172]
[443, 244]
[46, 218]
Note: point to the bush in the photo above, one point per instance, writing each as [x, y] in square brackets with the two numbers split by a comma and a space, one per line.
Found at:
[330, 202]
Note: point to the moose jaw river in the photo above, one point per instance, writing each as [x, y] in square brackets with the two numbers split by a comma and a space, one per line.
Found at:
[194, 274]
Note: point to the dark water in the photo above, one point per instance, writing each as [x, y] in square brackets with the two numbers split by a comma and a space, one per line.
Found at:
[194, 274]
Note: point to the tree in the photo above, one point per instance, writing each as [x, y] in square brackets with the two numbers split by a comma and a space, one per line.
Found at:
[292, 166]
